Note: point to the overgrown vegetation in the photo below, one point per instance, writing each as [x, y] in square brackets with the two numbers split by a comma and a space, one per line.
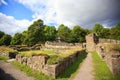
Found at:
[35, 52]
[115, 47]
[101, 70]
[54, 59]
[5, 49]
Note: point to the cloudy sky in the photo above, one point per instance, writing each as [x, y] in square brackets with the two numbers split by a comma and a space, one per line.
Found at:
[17, 15]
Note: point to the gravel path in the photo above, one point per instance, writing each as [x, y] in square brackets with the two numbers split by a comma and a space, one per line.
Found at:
[9, 72]
[86, 70]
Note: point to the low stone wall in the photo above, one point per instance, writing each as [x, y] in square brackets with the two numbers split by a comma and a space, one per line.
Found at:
[4, 54]
[109, 41]
[9, 54]
[63, 45]
[111, 57]
[39, 63]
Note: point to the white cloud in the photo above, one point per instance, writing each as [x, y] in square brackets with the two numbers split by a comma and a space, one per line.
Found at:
[3, 2]
[10, 25]
[43, 9]
[74, 12]
[85, 12]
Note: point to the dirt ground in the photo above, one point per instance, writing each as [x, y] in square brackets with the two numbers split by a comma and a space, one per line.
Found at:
[86, 70]
[9, 72]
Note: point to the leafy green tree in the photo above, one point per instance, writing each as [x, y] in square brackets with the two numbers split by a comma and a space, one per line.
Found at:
[78, 34]
[105, 33]
[63, 33]
[1, 34]
[5, 40]
[24, 37]
[115, 32]
[35, 33]
[17, 39]
[50, 33]
[98, 28]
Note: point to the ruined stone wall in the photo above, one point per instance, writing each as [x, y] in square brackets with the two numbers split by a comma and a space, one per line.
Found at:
[8, 54]
[4, 54]
[63, 45]
[111, 57]
[39, 63]
[109, 41]
[90, 42]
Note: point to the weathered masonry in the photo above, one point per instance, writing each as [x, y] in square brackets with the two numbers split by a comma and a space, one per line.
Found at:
[39, 62]
[112, 57]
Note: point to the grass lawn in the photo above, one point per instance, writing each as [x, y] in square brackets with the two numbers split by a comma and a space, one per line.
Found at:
[101, 70]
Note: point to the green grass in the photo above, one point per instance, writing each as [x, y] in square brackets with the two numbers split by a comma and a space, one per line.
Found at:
[3, 58]
[69, 73]
[101, 70]
[32, 52]
[54, 59]
[30, 72]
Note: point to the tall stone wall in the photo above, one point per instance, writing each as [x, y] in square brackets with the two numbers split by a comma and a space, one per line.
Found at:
[91, 41]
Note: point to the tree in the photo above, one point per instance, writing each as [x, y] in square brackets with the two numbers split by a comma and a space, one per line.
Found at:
[115, 32]
[35, 33]
[1, 34]
[98, 29]
[17, 39]
[105, 33]
[78, 34]
[5, 40]
[63, 33]
[50, 33]
[24, 37]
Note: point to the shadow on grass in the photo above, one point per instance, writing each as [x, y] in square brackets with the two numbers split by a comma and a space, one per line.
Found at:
[73, 68]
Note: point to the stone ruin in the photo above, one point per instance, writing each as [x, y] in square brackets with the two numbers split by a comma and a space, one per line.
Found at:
[39, 62]
[62, 45]
[112, 57]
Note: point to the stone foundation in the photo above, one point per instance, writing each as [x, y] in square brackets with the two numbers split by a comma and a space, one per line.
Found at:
[39, 62]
